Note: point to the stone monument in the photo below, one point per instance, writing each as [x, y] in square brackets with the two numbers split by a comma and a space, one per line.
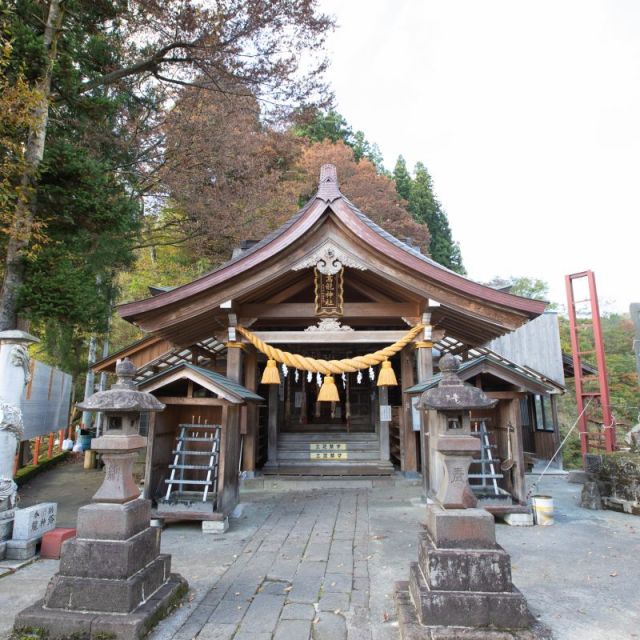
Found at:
[14, 375]
[112, 580]
[461, 585]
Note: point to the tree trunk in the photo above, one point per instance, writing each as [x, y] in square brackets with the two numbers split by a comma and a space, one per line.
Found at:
[20, 234]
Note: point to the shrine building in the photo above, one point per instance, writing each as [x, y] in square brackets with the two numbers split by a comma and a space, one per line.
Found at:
[309, 348]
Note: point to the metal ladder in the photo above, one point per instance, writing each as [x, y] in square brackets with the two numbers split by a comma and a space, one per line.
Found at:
[208, 434]
[486, 460]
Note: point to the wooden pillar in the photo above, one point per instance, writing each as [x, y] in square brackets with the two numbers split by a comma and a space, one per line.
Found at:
[509, 412]
[249, 414]
[272, 434]
[556, 426]
[234, 361]
[424, 350]
[383, 399]
[409, 454]
[228, 484]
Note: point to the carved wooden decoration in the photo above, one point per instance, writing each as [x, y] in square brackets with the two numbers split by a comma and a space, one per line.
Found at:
[329, 293]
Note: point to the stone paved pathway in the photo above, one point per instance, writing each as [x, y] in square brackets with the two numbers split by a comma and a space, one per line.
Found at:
[303, 574]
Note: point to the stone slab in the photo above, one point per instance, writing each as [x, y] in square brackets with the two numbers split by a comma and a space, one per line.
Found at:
[290, 629]
[61, 623]
[113, 521]
[34, 522]
[110, 559]
[460, 528]
[298, 611]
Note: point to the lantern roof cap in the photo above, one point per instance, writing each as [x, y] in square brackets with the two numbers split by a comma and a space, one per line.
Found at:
[123, 397]
[452, 394]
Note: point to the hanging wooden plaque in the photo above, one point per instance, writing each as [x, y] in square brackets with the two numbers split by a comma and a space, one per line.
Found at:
[329, 293]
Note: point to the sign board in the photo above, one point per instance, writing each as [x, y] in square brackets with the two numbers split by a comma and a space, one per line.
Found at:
[34, 522]
[415, 413]
[385, 413]
[46, 401]
[328, 446]
[329, 293]
[329, 455]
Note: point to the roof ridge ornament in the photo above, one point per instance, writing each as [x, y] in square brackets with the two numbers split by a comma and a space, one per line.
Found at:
[328, 187]
[328, 258]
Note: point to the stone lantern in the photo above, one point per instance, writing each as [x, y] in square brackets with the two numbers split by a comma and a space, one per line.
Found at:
[451, 437]
[120, 441]
[112, 578]
[461, 585]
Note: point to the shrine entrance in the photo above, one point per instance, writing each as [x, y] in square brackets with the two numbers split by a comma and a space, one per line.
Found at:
[353, 413]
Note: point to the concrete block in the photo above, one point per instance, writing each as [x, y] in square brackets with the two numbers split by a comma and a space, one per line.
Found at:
[35, 521]
[52, 542]
[113, 521]
[215, 526]
[461, 528]
[21, 549]
[518, 519]
[111, 559]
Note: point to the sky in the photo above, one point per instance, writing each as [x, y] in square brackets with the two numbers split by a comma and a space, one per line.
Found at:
[527, 116]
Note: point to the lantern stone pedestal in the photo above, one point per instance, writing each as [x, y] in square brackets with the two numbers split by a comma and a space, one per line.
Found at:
[112, 577]
[460, 587]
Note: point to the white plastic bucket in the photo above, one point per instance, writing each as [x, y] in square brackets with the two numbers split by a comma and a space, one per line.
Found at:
[543, 510]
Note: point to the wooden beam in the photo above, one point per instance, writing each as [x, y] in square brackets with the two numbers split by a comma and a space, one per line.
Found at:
[211, 402]
[330, 337]
[351, 310]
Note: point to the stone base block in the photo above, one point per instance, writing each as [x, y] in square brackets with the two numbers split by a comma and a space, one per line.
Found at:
[52, 542]
[3, 550]
[577, 476]
[412, 629]
[505, 610]
[463, 570]
[460, 528]
[104, 595]
[215, 526]
[21, 549]
[104, 521]
[60, 623]
[112, 559]
[518, 519]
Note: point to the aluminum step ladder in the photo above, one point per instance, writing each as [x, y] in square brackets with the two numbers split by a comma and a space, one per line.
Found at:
[487, 462]
[195, 441]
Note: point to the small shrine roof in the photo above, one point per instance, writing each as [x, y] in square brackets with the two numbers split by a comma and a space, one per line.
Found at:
[212, 380]
[500, 367]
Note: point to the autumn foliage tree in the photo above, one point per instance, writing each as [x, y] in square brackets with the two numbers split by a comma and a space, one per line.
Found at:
[224, 171]
[140, 53]
[373, 193]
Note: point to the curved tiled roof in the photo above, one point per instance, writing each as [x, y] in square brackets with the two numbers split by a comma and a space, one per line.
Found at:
[329, 198]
